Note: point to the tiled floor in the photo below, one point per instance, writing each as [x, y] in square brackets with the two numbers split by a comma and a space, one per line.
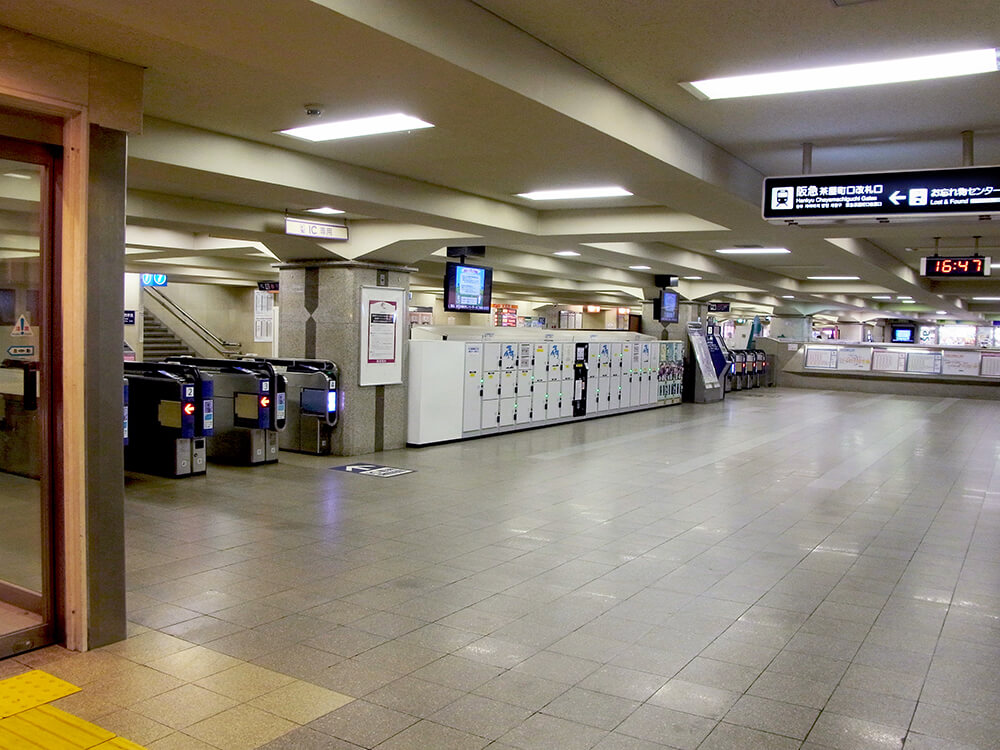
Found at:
[788, 569]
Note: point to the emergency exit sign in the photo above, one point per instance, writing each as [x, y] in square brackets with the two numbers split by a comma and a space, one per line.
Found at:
[917, 193]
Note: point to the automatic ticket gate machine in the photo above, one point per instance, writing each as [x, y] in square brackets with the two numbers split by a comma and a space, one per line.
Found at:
[169, 418]
[249, 409]
[311, 403]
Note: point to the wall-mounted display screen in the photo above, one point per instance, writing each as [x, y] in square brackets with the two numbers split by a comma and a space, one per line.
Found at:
[946, 268]
[467, 288]
[667, 312]
[903, 334]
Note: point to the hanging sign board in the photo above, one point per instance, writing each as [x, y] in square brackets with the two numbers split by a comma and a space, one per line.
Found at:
[718, 307]
[316, 230]
[917, 193]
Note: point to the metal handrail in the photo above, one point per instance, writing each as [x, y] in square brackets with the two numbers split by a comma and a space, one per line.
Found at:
[184, 315]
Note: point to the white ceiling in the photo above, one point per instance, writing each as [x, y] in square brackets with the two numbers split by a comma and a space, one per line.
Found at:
[527, 95]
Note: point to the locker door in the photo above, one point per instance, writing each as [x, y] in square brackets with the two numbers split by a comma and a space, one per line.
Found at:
[472, 413]
[626, 374]
[507, 412]
[524, 396]
[615, 393]
[604, 376]
[539, 382]
[508, 356]
[647, 394]
[508, 383]
[636, 367]
[491, 355]
[491, 399]
[566, 400]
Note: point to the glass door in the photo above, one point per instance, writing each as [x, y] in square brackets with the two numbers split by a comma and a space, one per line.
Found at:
[26, 549]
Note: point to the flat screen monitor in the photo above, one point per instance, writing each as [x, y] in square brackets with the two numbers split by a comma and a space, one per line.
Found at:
[667, 312]
[903, 334]
[467, 288]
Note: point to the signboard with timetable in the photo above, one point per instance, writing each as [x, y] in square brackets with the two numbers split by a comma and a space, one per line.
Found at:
[925, 192]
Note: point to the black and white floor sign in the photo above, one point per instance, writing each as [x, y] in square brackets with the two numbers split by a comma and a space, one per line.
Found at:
[373, 470]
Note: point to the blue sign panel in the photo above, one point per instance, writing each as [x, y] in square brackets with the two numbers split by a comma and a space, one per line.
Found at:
[153, 279]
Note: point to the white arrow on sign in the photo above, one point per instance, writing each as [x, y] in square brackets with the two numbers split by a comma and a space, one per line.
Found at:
[360, 467]
[897, 197]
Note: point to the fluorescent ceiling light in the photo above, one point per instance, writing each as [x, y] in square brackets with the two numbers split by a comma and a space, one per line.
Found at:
[909, 301]
[325, 210]
[753, 250]
[566, 253]
[834, 278]
[330, 131]
[921, 68]
[994, 265]
[691, 278]
[568, 193]
[940, 312]
[787, 296]
[17, 175]
[905, 296]
[986, 299]
[639, 268]
[881, 296]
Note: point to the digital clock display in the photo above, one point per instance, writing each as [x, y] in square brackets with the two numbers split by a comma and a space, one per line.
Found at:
[974, 265]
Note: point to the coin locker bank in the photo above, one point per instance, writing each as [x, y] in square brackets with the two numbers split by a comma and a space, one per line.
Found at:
[470, 388]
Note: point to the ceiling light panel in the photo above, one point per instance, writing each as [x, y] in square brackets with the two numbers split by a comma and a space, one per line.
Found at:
[753, 250]
[331, 131]
[921, 68]
[833, 278]
[609, 191]
[324, 211]
[566, 253]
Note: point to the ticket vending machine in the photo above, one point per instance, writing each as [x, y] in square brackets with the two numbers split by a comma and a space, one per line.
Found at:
[311, 406]
[170, 416]
[249, 409]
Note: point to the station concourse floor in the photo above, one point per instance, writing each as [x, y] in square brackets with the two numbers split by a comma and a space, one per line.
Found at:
[786, 569]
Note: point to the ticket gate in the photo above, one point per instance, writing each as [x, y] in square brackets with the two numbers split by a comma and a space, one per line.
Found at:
[740, 370]
[760, 369]
[249, 409]
[311, 403]
[168, 418]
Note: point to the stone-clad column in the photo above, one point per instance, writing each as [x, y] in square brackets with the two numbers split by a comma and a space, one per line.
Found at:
[320, 305]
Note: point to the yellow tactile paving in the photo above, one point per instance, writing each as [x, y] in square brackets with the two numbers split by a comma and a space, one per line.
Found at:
[26, 723]
[53, 725]
[119, 743]
[31, 689]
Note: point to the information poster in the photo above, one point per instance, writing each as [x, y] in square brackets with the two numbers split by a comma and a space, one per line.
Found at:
[263, 316]
[383, 312]
[888, 361]
[991, 366]
[822, 357]
[704, 357]
[925, 362]
[960, 363]
[855, 358]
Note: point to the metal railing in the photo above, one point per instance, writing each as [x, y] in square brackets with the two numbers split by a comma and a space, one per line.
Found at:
[228, 348]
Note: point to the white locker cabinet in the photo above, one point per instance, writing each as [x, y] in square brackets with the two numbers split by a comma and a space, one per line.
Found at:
[472, 417]
[508, 383]
[662, 374]
[636, 377]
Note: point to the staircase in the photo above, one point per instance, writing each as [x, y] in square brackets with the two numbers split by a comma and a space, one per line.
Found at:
[158, 341]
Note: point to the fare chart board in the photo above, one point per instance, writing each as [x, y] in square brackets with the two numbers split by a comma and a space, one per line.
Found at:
[925, 192]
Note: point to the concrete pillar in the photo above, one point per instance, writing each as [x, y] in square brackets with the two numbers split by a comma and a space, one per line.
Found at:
[321, 319]
[793, 327]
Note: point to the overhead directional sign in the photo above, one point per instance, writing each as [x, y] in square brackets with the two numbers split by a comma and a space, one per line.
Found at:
[918, 193]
